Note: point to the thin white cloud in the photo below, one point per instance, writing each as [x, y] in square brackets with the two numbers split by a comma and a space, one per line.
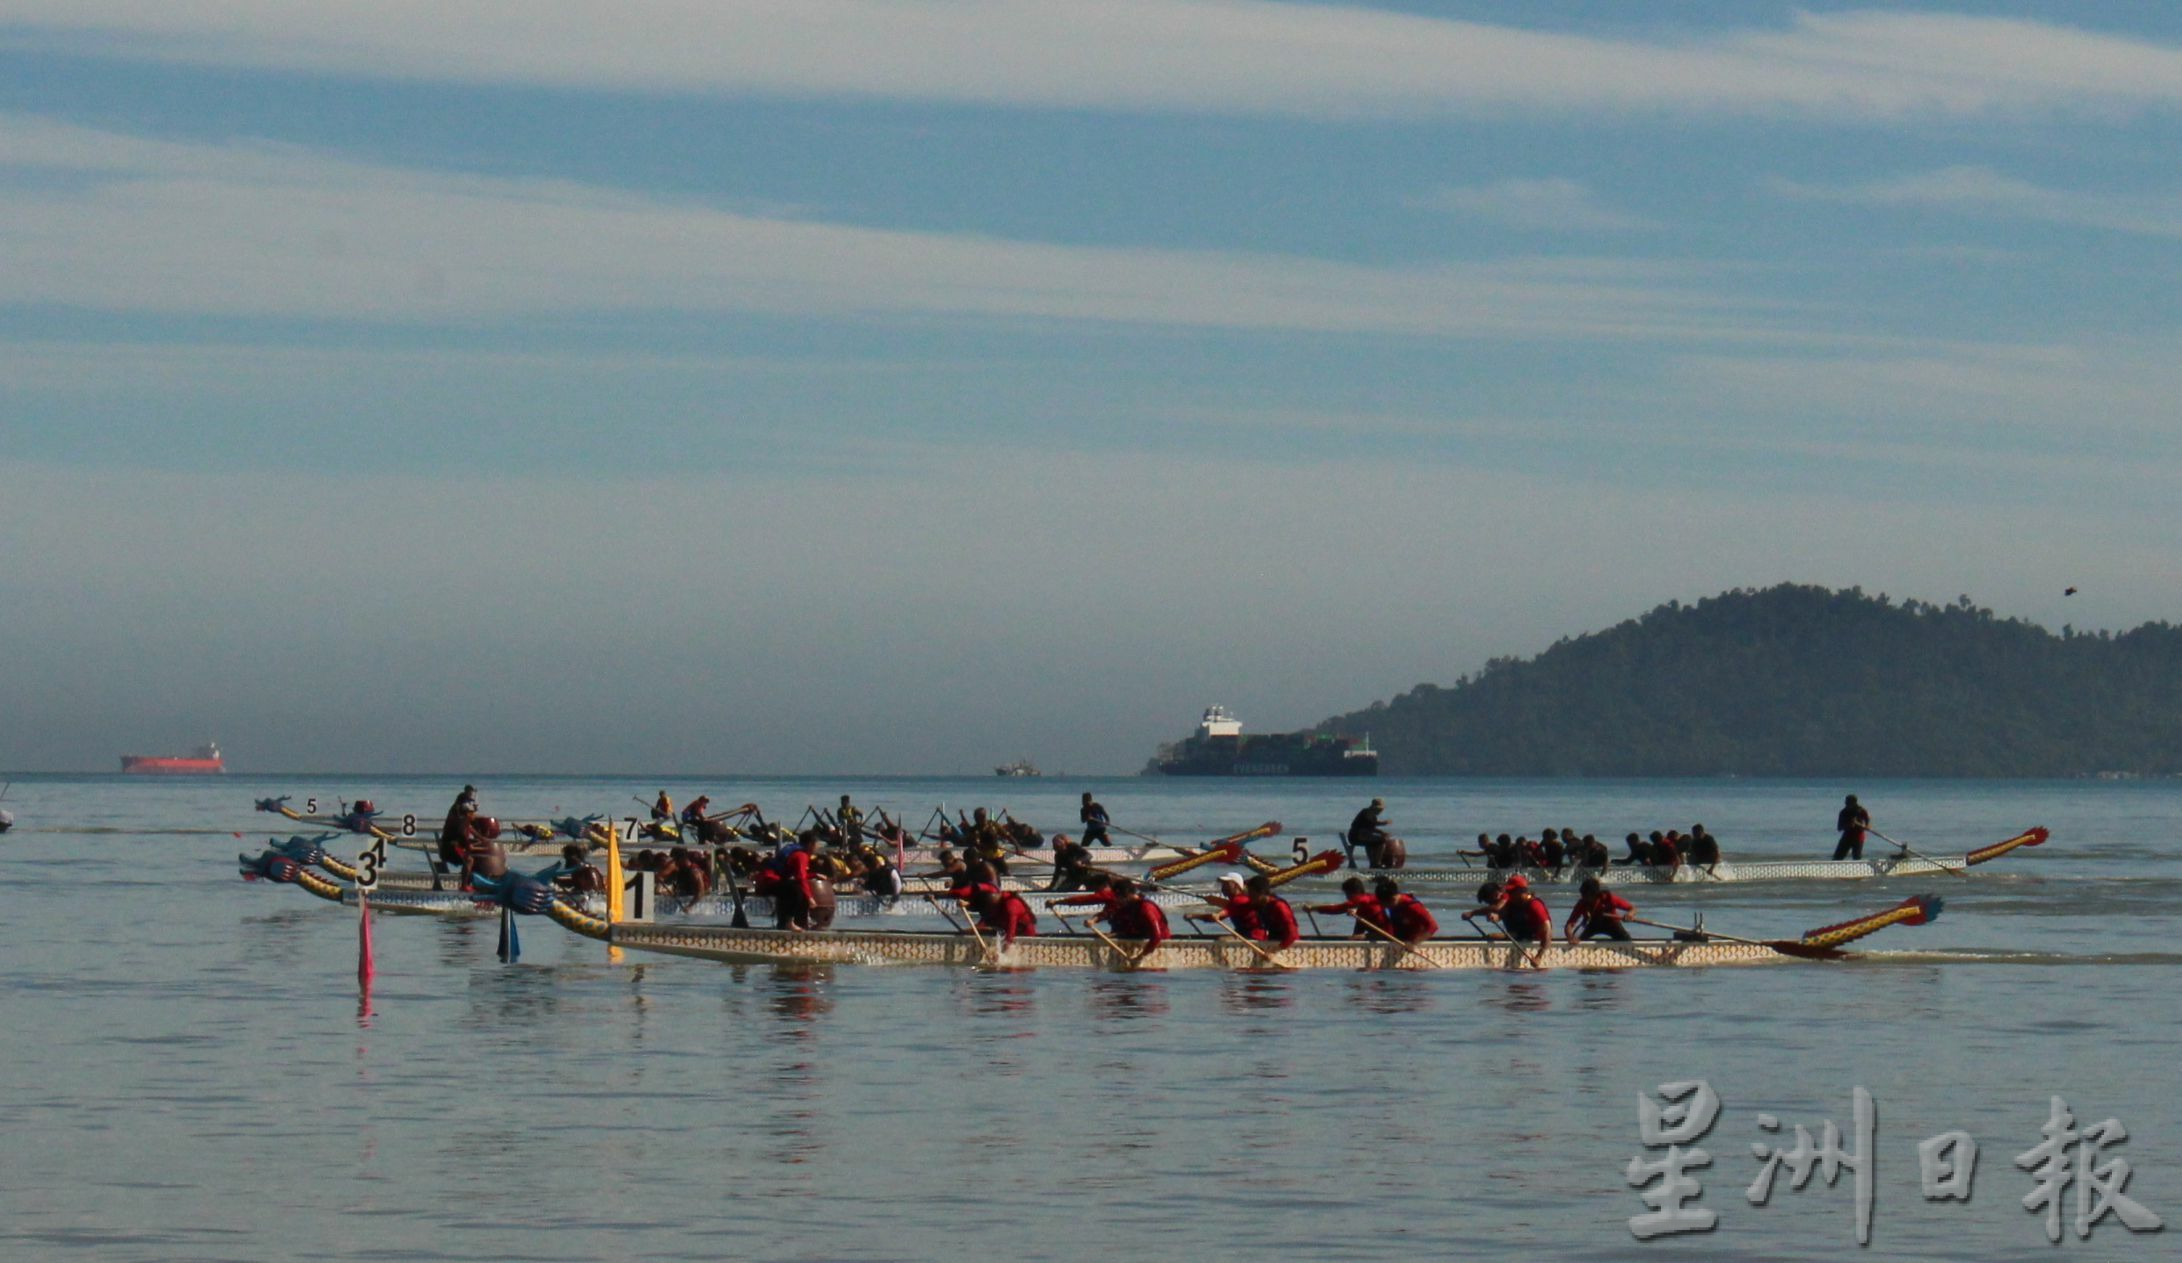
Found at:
[1985, 191]
[1552, 204]
[1976, 393]
[248, 230]
[1216, 56]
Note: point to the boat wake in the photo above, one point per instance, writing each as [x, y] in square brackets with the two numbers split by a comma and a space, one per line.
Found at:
[1982, 956]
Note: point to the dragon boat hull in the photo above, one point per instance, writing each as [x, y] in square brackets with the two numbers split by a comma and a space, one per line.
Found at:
[1058, 951]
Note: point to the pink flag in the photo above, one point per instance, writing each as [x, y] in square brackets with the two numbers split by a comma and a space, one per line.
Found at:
[364, 967]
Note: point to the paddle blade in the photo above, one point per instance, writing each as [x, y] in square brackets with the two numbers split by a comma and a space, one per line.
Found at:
[1323, 862]
[2034, 837]
[1915, 910]
[1223, 853]
[1266, 830]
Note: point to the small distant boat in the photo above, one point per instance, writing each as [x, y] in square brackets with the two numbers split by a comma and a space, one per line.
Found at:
[205, 760]
[1021, 767]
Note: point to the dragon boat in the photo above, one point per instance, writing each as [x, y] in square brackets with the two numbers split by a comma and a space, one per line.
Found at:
[1899, 865]
[421, 893]
[727, 945]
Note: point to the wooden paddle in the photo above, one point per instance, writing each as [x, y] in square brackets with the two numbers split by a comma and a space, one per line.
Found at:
[1128, 962]
[987, 954]
[1246, 941]
[943, 910]
[1909, 850]
[1404, 944]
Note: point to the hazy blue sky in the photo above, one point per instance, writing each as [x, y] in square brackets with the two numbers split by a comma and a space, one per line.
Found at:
[817, 385]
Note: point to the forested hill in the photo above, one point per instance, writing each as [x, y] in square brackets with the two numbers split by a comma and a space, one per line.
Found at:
[1801, 681]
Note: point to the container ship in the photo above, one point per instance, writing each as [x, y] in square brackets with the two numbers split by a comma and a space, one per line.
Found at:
[203, 761]
[1219, 748]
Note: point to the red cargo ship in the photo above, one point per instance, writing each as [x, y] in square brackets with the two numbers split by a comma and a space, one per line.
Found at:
[203, 760]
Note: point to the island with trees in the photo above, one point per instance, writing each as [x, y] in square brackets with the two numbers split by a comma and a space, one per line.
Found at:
[1798, 680]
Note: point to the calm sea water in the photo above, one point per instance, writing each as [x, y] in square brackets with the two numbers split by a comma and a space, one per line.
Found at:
[187, 1070]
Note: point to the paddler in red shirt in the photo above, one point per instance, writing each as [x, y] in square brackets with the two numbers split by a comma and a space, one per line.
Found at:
[1360, 904]
[1100, 895]
[1235, 908]
[1132, 916]
[1601, 913]
[975, 882]
[786, 880]
[1409, 919]
[1004, 913]
[1274, 915]
[1522, 914]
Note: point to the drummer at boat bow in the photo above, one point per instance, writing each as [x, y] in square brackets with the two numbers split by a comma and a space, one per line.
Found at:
[1600, 912]
[454, 832]
[1853, 822]
[1368, 830]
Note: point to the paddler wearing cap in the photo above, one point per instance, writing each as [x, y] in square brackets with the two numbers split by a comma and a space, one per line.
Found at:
[1234, 906]
[1523, 914]
[1600, 912]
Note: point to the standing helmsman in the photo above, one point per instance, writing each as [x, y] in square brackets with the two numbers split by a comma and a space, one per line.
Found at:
[1095, 820]
[1852, 822]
